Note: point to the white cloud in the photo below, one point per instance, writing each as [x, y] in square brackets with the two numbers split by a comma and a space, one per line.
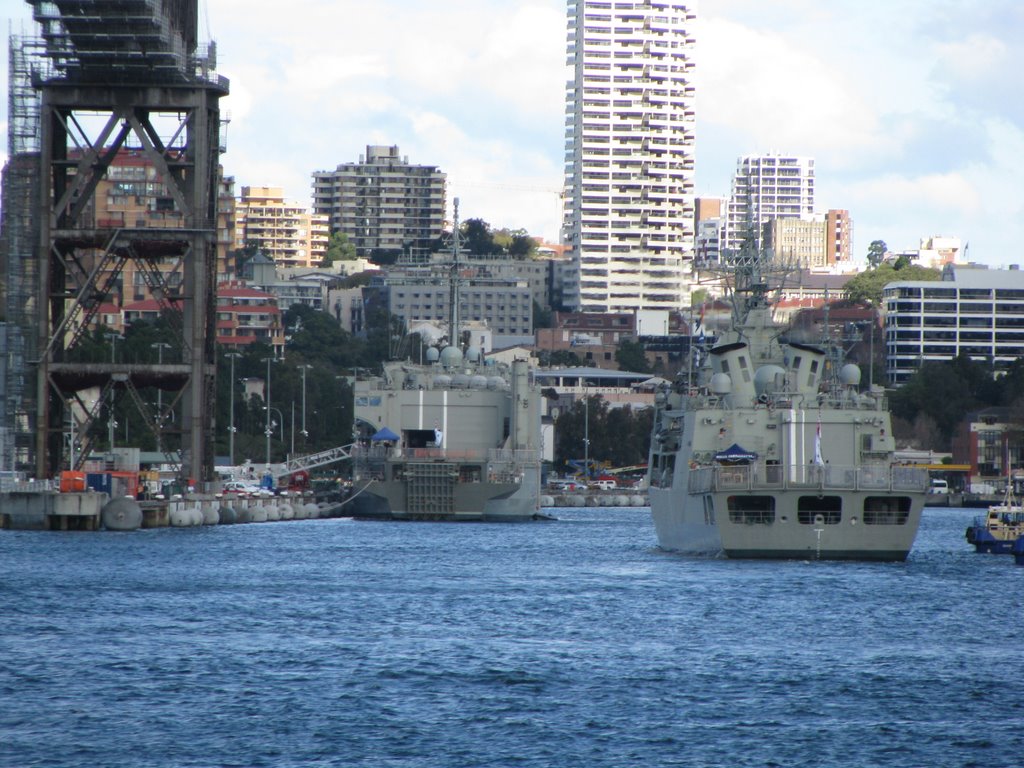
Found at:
[972, 59]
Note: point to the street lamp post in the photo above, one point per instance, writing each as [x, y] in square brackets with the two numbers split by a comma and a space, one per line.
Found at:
[586, 434]
[159, 346]
[304, 433]
[279, 424]
[112, 338]
[267, 430]
[231, 413]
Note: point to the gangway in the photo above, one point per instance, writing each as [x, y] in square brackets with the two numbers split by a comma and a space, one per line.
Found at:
[312, 461]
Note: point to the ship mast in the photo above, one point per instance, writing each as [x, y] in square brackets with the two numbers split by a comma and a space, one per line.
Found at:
[453, 285]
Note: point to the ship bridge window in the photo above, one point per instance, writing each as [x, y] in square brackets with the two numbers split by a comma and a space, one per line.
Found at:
[886, 510]
[823, 510]
[752, 510]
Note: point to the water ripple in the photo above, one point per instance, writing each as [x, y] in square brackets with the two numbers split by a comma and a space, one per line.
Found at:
[574, 643]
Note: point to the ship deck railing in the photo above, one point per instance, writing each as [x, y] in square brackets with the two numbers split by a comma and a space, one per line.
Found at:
[491, 456]
[696, 400]
[762, 477]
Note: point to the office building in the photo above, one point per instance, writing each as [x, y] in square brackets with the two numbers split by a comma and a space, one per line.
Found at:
[422, 293]
[838, 237]
[629, 202]
[973, 311]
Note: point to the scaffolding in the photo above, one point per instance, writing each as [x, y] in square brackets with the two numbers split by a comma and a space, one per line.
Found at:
[105, 77]
[20, 195]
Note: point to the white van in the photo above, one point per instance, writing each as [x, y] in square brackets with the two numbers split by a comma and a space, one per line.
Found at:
[939, 486]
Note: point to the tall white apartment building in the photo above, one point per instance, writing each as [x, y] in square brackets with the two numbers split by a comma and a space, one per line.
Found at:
[630, 123]
[766, 188]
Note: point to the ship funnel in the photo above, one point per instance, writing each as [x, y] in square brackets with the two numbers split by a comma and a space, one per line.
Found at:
[806, 363]
[734, 360]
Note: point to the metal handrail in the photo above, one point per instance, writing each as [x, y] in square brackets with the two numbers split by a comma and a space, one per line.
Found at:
[758, 477]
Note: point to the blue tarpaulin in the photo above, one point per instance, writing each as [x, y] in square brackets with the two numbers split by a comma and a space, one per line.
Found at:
[735, 454]
[384, 434]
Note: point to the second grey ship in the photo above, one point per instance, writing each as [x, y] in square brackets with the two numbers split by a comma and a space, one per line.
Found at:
[771, 450]
[456, 438]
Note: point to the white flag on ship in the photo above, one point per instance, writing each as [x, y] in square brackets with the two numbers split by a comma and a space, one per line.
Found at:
[817, 444]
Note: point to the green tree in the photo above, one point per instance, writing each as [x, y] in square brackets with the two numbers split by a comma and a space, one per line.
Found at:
[478, 238]
[942, 393]
[564, 358]
[385, 256]
[902, 262]
[630, 357]
[618, 436]
[318, 336]
[338, 249]
[516, 243]
[869, 285]
[876, 252]
[541, 316]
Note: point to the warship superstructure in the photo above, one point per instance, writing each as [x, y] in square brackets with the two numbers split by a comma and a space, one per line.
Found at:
[768, 448]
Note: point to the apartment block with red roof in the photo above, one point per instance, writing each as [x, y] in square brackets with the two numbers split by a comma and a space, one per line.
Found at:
[246, 315]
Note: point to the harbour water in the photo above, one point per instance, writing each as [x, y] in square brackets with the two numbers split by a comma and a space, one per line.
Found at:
[567, 643]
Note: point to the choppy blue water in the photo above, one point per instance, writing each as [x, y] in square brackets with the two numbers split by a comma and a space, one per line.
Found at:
[569, 643]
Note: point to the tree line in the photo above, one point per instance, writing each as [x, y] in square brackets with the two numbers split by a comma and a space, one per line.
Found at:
[928, 408]
[619, 436]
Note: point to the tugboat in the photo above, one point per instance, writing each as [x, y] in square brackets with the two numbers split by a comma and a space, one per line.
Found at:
[768, 450]
[1000, 530]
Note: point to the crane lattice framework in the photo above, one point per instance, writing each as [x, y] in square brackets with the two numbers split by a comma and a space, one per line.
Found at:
[127, 79]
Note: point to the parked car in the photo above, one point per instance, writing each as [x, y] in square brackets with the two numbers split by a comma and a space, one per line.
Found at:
[239, 486]
[604, 485]
[566, 485]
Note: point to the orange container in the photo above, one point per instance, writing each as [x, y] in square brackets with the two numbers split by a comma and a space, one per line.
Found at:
[72, 481]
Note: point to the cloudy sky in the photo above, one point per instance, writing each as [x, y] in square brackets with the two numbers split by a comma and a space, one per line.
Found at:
[911, 109]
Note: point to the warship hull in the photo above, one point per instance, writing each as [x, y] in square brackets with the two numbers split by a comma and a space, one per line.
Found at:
[470, 502]
[682, 526]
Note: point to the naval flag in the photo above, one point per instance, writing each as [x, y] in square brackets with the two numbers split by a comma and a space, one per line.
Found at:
[817, 443]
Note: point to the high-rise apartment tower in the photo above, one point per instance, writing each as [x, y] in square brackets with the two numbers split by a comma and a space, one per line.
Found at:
[766, 188]
[383, 203]
[629, 153]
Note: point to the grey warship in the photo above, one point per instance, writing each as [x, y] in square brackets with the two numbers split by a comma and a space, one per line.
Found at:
[768, 449]
[455, 438]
